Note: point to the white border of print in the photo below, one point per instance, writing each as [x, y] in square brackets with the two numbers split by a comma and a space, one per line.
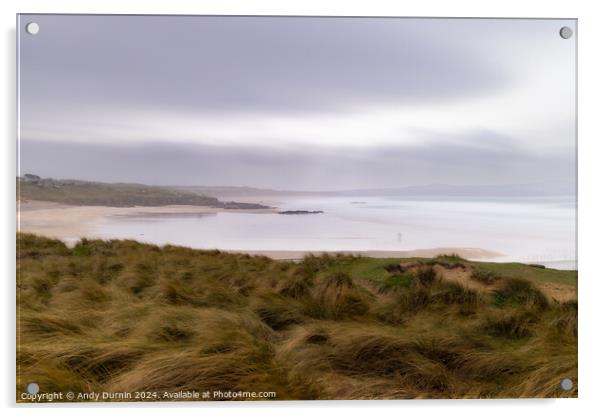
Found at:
[590, 288]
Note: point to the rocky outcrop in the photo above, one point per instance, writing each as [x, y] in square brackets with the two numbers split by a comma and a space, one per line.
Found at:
[299, 212]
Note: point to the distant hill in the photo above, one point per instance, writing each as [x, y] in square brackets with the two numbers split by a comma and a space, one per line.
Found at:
[246, 191]
[75, 192]
[431, 190]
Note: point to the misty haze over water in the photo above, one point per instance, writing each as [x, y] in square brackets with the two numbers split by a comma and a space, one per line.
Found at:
[532, 230]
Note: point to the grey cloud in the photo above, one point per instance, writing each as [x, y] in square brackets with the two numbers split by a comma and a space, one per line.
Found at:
[251, 64]
[80, 70]
[304, 168]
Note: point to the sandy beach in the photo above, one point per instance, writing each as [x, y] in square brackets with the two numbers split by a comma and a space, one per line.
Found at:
[70, 223]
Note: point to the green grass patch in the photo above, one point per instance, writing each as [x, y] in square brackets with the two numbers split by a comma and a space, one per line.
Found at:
[535, 274]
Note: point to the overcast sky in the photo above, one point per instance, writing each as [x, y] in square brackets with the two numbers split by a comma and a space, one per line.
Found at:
[297, 103]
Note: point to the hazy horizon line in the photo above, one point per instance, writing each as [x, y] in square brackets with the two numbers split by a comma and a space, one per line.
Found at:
[423, 187]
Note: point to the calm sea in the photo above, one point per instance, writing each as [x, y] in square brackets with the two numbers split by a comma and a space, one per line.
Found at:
[533, 230]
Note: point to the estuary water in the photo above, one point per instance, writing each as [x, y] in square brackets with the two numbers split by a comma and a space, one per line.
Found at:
[533, 230]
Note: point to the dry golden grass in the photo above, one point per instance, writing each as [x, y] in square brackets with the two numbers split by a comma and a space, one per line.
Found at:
[123, 316]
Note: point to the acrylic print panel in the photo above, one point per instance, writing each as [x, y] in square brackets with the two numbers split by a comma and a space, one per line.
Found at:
[276, 208]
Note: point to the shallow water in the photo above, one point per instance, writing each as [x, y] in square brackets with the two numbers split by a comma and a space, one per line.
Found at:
[532, 230]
